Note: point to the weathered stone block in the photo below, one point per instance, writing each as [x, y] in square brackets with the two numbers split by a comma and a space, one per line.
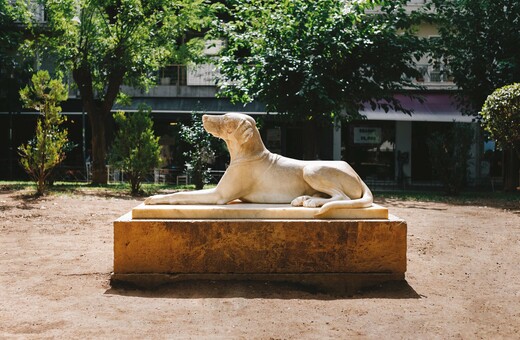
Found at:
[252, 246]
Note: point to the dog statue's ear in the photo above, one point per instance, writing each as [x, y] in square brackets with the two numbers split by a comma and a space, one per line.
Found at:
[244, 131]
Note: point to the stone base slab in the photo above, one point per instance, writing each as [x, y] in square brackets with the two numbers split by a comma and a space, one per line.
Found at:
[240, 210]
[314, 251]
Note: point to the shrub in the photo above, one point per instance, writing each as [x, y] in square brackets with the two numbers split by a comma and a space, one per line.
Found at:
[501, 118]
[40, 155]
[201, 153]
[450, 154]
[501, 115]
[135, 149]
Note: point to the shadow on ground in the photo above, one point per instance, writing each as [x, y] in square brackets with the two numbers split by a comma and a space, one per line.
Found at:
[263, 290]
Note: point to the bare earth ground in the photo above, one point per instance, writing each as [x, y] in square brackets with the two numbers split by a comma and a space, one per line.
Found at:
[463, 281]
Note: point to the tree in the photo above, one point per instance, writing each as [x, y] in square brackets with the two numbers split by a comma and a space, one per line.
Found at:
[40, 155]
[108, 43]
[450, 152]
[135, 150]
[501, 118]
[201, 153]
[315, 60]
[480, 40]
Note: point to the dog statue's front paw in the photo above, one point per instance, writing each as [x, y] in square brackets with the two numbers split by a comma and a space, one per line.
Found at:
[312, 203]
[298, 201]
[156, 199]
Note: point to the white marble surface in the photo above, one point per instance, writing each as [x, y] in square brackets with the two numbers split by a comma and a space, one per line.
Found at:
[252, 211]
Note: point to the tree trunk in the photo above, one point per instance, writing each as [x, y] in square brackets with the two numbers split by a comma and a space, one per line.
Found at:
[99, 146]
[98, 110]
[511, 170]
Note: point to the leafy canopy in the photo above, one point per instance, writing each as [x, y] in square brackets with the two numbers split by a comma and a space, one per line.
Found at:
[309, 58]
[13, 15]
[14, 73]
[132, 38]
[481, 38]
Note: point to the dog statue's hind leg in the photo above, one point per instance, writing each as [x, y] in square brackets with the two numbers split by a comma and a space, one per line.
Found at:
[327, 181]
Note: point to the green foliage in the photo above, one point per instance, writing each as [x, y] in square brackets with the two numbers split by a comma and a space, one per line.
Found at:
[128, 39]
[501, 116]
[12, 15]
[135, 150]
[14, 73]
[202, 151]
[450, 154]
[47, 149]
[481, 39]
[312, 59]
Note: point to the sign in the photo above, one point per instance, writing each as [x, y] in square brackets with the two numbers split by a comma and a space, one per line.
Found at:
[202, 75]
[367, 135]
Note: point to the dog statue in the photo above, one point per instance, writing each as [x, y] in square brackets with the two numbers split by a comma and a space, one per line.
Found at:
[256, 175]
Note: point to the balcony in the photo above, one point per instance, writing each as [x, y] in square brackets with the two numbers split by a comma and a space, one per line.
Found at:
[197, 81]
[436, 76]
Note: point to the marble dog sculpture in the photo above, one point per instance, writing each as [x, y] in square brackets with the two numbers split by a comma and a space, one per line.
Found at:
[256, 175]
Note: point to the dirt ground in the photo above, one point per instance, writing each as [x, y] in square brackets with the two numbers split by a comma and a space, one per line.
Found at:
[463, 281]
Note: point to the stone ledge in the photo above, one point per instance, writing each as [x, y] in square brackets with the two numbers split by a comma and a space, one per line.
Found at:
[252, 211]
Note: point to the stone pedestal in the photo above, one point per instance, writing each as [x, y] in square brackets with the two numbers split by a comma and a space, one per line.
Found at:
[338, 254]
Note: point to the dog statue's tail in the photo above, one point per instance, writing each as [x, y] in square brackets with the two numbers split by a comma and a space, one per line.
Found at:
[364, 201]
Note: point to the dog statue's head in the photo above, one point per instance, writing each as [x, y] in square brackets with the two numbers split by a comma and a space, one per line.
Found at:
[231, 126]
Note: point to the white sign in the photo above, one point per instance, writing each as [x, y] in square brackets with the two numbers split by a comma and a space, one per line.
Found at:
[367, 135]
[202, 75]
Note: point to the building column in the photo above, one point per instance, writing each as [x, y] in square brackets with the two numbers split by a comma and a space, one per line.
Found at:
[403, 150]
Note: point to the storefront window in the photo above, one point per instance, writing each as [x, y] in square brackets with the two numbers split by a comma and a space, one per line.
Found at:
[370, 149]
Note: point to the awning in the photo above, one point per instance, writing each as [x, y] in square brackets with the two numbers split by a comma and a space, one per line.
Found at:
[435, 108]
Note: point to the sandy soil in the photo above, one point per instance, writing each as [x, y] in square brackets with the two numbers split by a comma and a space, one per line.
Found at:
[463, 281]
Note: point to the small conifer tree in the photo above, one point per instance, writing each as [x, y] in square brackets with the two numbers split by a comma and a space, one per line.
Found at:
[40, 155]
[136, 149]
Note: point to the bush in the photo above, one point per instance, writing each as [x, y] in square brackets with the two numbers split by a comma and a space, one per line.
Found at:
[201, 153]
[135, 149]
[48, 147]
[501, 118]
[449, 154]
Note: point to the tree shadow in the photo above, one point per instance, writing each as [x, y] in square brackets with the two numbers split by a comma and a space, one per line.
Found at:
[248, 289]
